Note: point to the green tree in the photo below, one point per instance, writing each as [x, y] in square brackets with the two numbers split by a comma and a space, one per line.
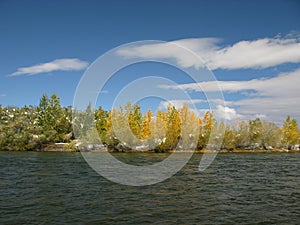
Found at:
[54, 120]
[101, 120]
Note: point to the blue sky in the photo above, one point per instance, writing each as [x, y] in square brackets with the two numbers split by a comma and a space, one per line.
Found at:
[70, 35]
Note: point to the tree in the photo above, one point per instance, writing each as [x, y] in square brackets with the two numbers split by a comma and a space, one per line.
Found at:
[54, 120]
[101, 120]
[270, 135]
[109, 138]
[290, 132]
[145, 128]
[229, 139]
[18, 129]
[241, 133]
[135, 120]
[158, 129]
[255, 132]
[173, 125]
[207, 125]
[30, 128]
[189, 128]
[200, 144]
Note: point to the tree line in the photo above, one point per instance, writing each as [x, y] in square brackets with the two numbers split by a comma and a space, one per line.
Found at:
[34, 127]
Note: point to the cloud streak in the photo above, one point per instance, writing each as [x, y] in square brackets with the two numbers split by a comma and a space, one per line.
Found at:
[221, 111]
[285, 84]
[274, 97]
[66, 64]
[262, 53]
[256, 54]
[179, 103]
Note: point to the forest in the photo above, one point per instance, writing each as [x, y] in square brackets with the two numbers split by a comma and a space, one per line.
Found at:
[32, 128]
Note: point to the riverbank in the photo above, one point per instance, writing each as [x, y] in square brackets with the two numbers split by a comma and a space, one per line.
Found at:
[64, 147]
[240, 151]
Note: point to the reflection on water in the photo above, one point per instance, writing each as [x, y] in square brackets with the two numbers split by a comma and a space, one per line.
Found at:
[53, 188]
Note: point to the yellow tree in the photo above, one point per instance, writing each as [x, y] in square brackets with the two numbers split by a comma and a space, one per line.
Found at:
[189, 128]
[146, 120]
[229, 141]
[135, 120]
[158, 129]
[255, 131]
[200, 144]
[173, 123]
[109, 137]
[205, 130]
[125, 127]
[290, 132]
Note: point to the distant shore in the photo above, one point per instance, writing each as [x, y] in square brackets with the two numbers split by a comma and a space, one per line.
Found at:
[62, 148]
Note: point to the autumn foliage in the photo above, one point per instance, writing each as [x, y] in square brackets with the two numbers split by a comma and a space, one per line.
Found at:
[127, 128]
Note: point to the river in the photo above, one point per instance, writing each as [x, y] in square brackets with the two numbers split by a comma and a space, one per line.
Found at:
[237, 188]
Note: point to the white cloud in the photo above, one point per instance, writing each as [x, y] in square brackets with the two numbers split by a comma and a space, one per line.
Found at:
[179, 103]
[173, 50]
[261, 53]
[68, 64]
[224, 112]
[275, 98]
[285, 84]
[271, 108]
[2, 95]
[221, 111]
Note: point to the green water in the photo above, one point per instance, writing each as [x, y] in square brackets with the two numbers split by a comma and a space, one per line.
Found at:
[238, 188]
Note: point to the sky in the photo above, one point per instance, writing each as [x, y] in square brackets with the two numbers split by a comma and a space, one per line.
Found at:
[251, 47]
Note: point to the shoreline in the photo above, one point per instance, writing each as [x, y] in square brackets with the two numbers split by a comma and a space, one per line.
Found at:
[62, 147]
[51, 149]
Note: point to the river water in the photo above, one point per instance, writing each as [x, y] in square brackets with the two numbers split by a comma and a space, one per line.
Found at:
[238, 188]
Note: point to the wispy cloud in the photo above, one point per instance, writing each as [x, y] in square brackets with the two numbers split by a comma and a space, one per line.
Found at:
[179, 103]
[274, 97]
[67, 64]
[174, 50]
[261, 53]
[2, 95]
[221, 111]
[284, 84]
